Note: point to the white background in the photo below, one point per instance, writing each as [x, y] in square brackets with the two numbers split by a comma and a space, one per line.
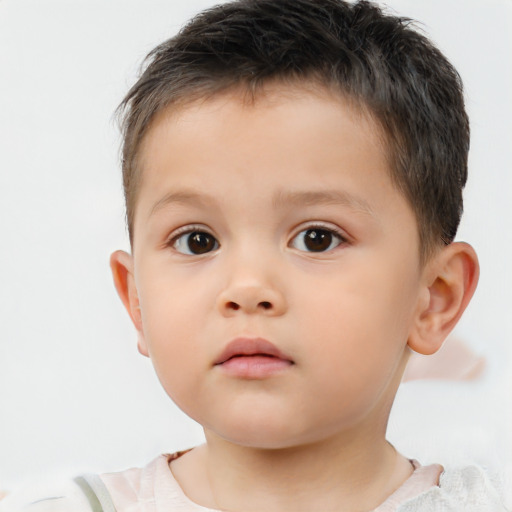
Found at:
[75, 395]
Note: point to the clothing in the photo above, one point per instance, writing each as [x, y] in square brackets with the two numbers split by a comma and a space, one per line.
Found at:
[154, 489]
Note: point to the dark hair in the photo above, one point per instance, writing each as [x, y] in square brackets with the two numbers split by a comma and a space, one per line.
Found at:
[392, 71]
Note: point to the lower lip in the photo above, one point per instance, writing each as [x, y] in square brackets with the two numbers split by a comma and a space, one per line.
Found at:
[254, 367]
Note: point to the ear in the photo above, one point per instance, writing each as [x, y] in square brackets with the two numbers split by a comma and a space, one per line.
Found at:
[121, 264]
[450, 281]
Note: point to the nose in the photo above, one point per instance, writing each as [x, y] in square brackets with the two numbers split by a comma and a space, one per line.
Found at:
[251, 298]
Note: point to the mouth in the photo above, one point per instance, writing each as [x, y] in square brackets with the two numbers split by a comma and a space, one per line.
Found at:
[252, 358]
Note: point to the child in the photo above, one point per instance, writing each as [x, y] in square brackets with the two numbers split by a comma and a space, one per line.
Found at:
[293, 174]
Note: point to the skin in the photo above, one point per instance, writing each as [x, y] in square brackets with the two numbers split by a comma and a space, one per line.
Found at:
[254, 178]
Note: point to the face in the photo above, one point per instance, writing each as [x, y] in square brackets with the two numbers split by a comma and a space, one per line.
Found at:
[275, 267]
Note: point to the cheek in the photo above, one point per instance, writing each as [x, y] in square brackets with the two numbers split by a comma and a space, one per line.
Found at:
[359, 323]
[171, 304]
[171, 320]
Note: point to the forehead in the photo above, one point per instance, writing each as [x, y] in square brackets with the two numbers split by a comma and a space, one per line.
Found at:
[283, 140]
[265, 96]
[276, 109]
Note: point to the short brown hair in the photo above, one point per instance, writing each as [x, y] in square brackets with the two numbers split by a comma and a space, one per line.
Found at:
[378, 60]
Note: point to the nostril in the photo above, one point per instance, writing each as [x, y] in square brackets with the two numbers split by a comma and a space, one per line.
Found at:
[233, 305]
[265, 305]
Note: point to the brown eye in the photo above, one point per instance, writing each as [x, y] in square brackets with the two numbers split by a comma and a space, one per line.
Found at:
[316, 240]
[195, 242]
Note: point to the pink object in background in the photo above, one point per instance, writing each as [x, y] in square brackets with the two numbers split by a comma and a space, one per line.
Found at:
[454, 361]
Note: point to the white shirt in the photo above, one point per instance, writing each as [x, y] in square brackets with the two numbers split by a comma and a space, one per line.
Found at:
[154, 489]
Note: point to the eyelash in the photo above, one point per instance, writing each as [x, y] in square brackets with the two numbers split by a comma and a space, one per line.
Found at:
[315, 227]
[333, 232]
[188, 230]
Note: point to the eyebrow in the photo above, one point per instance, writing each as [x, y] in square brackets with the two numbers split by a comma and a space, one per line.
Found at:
[322, 197]
[281, 199]
[181, 197]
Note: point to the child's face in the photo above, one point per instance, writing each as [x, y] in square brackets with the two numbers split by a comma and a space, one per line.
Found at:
[274, 221]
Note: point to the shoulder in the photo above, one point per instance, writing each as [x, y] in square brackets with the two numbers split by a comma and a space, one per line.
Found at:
[152, 483]
[48, 498]
[468, 488]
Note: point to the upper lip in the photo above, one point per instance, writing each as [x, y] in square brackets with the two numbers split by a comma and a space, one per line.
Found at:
[250, 347]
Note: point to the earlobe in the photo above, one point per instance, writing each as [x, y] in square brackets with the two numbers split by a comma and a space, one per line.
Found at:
[121, 264]
[450, 281]
[141, 344]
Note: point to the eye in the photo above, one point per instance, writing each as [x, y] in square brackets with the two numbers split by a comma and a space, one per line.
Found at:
[195, 242]
[316, 240]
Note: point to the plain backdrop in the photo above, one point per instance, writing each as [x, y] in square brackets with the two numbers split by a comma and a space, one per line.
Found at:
[75, 395]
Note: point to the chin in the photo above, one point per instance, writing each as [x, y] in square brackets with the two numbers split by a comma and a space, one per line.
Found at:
[268, 435]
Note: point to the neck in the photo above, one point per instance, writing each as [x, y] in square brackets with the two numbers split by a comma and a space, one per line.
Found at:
[330, 475]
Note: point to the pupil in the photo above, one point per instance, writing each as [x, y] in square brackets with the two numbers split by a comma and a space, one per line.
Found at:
[318, 240]
[199, 243]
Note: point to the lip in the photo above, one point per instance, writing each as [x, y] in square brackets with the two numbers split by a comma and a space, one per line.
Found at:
[252, 358]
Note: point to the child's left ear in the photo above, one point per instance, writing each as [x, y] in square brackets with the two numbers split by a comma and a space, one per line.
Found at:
[450, 281]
